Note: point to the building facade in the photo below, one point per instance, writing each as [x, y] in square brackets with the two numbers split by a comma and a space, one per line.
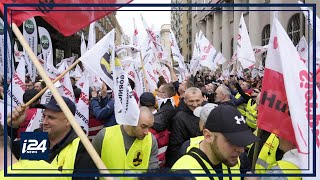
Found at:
[220, 25]
[181, 25]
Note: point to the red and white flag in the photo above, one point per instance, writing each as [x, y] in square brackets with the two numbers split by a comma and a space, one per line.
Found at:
[17, 87]
[135, 34]
[176, 55]
[82, 113]
[58, 17]
[290, 88]
[158, 49]
[10, 68]
[244, 49]
[209, 56]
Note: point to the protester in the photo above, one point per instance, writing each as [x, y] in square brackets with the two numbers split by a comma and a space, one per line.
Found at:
[128, 149]
[148, 100]
[66, 151]
[37, 86]
[185, 124]
[225, 136]
[103, 106]
[15, 166]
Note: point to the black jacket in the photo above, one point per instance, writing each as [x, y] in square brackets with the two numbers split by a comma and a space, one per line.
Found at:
[83, 163]
[185, 126]
[163, 117]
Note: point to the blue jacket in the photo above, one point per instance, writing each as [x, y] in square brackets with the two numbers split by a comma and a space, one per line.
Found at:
[104, 110]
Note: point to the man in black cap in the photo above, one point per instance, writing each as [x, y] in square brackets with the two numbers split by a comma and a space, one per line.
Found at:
[226, 134]
[66, 152]
[148, 100]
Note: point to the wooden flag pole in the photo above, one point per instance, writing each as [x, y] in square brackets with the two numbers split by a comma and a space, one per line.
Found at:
[84, 139]
[255, 151]
[144, 73]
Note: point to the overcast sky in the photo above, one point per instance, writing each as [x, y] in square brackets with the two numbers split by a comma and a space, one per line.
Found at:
[156, 18]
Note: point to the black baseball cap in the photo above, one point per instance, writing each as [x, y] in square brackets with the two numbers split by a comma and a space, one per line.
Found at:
[227, 120]
[147, 99]
[53, 105]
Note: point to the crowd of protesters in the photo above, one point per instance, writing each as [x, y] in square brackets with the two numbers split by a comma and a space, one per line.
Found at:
[203, 123]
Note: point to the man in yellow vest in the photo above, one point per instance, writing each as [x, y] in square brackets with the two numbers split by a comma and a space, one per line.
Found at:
[128, 149]
[225, 136]
[252, 109]
[15, 167]
[66, 152]
[289, 164]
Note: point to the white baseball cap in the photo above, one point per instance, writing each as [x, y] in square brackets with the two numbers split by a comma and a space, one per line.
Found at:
[203, 111]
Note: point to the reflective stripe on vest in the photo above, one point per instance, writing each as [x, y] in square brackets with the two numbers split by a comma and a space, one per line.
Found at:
[188, 162]
[285, 167]
[66, 158]
[251, 114]
[114, 156]
[267, 155]
[242, 107]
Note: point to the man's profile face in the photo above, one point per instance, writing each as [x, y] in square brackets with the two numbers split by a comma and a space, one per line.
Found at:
[219, 96]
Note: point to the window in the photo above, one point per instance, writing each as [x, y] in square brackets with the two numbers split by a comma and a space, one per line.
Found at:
[265, 41]
[294, 28]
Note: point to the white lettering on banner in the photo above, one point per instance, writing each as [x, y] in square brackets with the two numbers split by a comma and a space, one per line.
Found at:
[306, 82]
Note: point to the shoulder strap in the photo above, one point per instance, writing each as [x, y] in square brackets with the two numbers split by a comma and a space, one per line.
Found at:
[195, 153]
[204, 167]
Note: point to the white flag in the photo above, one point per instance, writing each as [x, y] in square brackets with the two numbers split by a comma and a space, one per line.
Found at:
[156, 46]
[68, 60]
[244, 49]
[126, 108]
[10, 64]
[283, 59]
[46, 44]
[82, 113]
[83, 46]
[92, 35]
[208, 54]
[17, 86]
[98, 59]
[135, 33]
[30, 33]
[176, 55]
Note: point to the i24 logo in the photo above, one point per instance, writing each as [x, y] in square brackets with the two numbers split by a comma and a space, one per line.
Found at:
[32, 146]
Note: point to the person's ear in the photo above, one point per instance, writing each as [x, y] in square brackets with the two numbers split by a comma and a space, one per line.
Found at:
[208, 136]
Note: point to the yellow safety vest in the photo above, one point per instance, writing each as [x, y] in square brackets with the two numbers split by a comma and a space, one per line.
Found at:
[31, 167]
[114, 156]
[195, 142]
[189, 162]
[285, 167]
[66, 158]
[242, 107]
[267, 155]
[251, 114]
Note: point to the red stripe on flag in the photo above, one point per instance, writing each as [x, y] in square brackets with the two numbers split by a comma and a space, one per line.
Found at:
[273, 111]
[66, 22]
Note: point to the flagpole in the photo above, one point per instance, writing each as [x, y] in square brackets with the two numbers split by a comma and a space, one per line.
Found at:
[144, 73]
[44, 89]
[255, 150]
[84, 139]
